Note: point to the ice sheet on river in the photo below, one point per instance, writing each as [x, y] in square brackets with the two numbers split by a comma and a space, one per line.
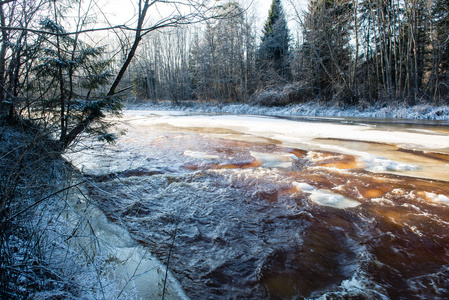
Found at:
[289, 131]
[376, 144]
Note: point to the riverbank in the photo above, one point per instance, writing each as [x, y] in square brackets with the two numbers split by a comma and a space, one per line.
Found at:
[311, 109]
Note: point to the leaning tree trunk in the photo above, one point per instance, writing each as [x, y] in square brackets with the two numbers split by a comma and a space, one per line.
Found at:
[95, 115]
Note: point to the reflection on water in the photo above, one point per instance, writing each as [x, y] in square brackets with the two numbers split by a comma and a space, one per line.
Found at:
[250, 219]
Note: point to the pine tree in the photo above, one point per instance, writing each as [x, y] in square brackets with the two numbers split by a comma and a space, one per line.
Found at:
[274, 48]
[69, 72]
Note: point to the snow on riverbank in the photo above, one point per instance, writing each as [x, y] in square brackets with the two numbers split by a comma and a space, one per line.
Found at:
[311, 109]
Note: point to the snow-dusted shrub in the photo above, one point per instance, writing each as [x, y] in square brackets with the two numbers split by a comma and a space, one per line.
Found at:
[29, 171]
[312, 107]
[282, 95]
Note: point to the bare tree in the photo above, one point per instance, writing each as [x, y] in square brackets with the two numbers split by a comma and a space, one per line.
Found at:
[223, 56]
[68, 45]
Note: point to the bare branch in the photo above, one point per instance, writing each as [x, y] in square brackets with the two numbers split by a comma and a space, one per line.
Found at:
[124, 27]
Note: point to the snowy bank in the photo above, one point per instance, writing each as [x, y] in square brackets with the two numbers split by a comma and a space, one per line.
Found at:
[310, 109]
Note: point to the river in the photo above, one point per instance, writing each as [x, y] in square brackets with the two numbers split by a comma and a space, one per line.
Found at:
[253, 207]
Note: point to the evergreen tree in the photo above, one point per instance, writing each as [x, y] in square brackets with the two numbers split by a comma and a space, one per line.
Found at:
[70, 71]
[274, 48]
[326, 48]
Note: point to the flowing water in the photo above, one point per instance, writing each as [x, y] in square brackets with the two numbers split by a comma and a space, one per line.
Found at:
[243, 207]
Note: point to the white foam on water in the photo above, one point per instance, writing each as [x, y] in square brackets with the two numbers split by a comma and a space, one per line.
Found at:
[371, 162]
[325, 197]
[421, 283]
[274, 160]
[360, 284]
[253, 176]
[200, 155]
[305, 187]
[382, 201]
[438, 198]
[357, 286]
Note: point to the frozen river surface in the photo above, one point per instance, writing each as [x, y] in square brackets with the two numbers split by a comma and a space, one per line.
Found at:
[247, 207]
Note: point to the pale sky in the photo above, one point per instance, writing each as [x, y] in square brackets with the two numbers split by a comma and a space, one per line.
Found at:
[122, 11]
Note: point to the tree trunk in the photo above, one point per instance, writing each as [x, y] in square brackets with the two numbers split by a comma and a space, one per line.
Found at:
[4, 109]
[71, 136]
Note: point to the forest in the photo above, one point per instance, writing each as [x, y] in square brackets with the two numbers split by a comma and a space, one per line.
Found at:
[347, 52]
[58, 64]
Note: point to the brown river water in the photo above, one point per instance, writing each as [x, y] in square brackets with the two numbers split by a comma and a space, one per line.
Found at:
[268, 208]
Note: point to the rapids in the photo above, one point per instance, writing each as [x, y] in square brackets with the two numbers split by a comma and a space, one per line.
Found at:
[246, 207]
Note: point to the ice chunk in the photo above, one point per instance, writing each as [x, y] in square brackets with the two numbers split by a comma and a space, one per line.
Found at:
[380, 164]
[304, 186]
[274, 160]
[325, 197]
[200, 155]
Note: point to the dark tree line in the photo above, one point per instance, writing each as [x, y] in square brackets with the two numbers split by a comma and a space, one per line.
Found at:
[348, 52]
[376, 50]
